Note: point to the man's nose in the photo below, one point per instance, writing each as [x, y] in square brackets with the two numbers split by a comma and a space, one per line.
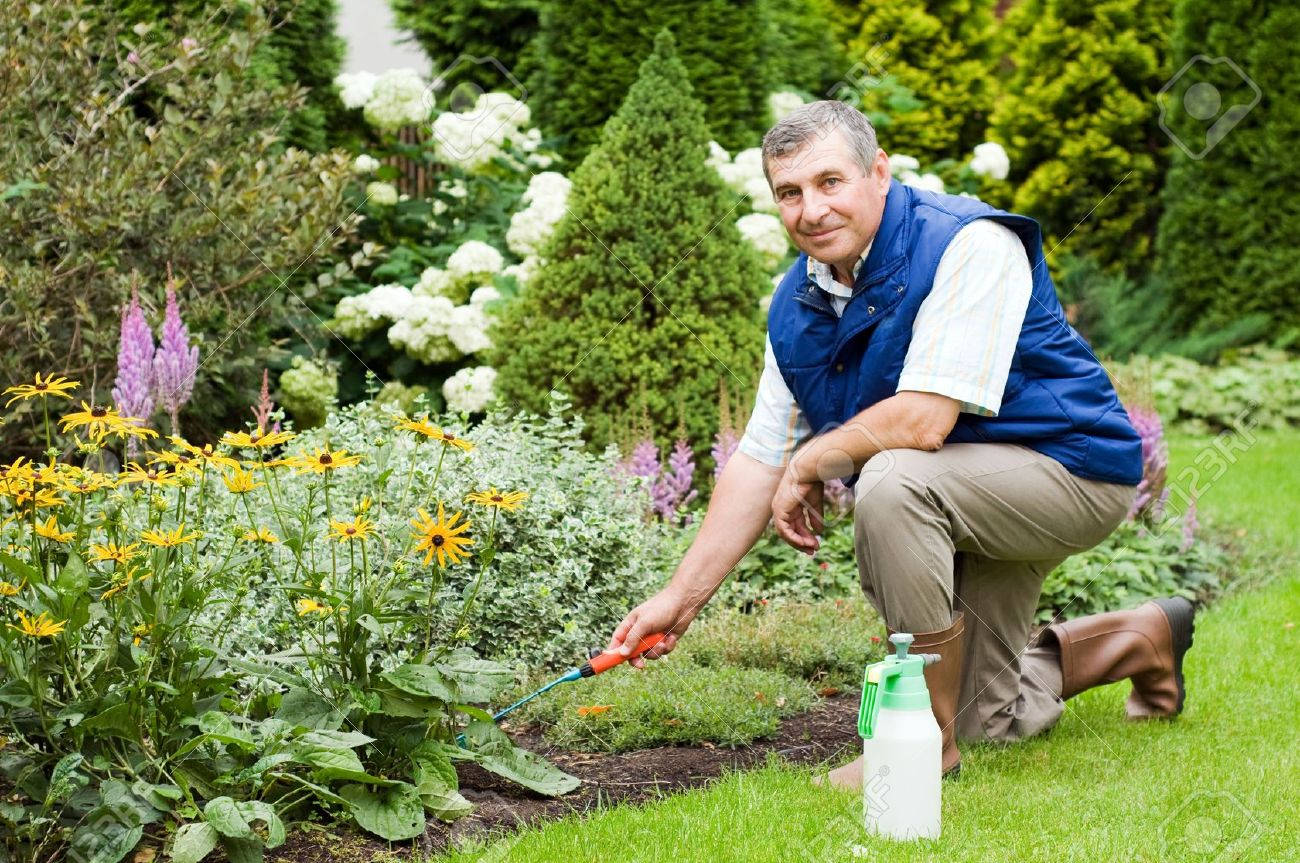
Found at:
[815, 207]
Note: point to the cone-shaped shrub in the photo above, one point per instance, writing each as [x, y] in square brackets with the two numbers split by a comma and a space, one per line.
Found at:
[649, 294]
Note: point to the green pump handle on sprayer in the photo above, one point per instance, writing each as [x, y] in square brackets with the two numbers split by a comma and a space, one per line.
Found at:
[897, 682]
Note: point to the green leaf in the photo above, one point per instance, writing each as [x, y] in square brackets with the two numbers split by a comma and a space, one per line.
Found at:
[436, 780]
[193, 842]
[243, 850]
[396, 703]
[478, 680]
[474, 712]
[303, 708]
[492, 749]
[218, 726]
[393, 813]
[337, 764]
[18, 570]
[103, 842]
[116, 720]
[225, 816]
[64, 779]
[335, 739]
[257, 810]
[73, 579]
[423, 681]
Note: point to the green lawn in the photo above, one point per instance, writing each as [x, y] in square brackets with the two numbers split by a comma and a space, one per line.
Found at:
[1217, 785]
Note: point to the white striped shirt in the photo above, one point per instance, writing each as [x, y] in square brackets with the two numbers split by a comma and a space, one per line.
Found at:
[963, 337]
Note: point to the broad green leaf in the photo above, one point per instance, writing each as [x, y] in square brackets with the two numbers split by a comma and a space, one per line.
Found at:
[257, 810]
[436, 780]
[422, 681]
[116, 720]
[474, 712]
[335, 739]
[303, 708]
[396, 703]
[219, 726]
[19, 571]
[492, 749]
[64, 779]
[478, 680]
[338, 764]
[193, 842]
[73, 579]
[224, 815]
[103, 842]
[393, 813]
[243, 850]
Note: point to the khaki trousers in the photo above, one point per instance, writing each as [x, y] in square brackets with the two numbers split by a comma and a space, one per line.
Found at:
[976, 527]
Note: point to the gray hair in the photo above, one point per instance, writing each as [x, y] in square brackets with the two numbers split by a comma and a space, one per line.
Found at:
[820, 119]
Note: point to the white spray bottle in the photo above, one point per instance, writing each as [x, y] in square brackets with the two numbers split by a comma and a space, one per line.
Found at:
[902, 747]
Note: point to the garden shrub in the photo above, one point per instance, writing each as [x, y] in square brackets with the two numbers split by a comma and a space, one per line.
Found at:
[590, 53]
[469, 30]
[1077, 115]
[668, 702]
[799, 48]
[827, 643]
[1229, 222]
[645, 211]
[119, 164]
[939, 52]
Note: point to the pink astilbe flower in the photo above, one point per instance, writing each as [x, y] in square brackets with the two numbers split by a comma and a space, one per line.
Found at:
[1190, 525]
[644, 461]
[724, 447]
[1151, 491]
[262, 410]
[838, 495]
[175, 363]
[132, 392]
[673, 490]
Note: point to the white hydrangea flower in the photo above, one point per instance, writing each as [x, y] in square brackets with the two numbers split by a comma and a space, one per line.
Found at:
[434, 282]
[781, 103]
[355, 88]
[991, 160]
[384, 194]
[760, 195]
[470, 389]
[718, 156]
[365, 164]
[399, 99]
[357, 315]
[524, 271]
[765, 302]
[424, 331]
[532, 226]
[468, 329]
[484, 295]
[474, 259]
[928, 182]
[473, 138]
[766, 233]
[899, 164]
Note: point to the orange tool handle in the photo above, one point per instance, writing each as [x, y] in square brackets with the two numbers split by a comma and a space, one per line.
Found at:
[607, 659]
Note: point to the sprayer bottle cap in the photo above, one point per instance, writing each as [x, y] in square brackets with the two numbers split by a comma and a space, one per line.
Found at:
[897, 683]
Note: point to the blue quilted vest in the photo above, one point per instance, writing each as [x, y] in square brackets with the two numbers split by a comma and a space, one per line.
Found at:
[1058, 398]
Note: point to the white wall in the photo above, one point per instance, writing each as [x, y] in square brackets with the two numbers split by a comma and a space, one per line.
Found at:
[373, 39]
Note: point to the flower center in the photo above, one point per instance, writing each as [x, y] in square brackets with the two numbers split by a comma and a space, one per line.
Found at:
[438, 540]
[40, 388]
[98, 412]
[496, 498]
[350, 531]
[326, 458]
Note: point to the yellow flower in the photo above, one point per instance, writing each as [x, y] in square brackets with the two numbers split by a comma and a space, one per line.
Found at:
[260, 439]
[7, 589]
[206, 453]
[260, 535]
[358, 528]
[141, 632]
[363, 506]
[113, 551]
[169, 538]
[151, 476]
[51, 386]
[323, 461]
[240, 482]
[442, 537]
[50, 530]
[122, 582]
[423, 427]
[509, 500]
[82, 481]
[41, 626]
[311, 606]
[101, 420]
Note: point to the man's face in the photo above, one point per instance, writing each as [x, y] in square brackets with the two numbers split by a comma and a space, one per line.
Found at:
[830, 208]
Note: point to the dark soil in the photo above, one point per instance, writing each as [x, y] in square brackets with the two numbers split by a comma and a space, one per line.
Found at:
[823, 733]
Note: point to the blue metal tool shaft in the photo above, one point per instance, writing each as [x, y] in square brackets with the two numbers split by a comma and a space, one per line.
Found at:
[569, 676]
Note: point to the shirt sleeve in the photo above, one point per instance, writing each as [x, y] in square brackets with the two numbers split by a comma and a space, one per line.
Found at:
[965, 332]
[777, 426]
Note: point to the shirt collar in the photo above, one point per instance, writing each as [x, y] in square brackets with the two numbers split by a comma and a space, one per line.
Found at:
[821, 274]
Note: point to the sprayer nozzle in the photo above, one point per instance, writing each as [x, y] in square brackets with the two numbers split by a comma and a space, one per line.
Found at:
[930, 658]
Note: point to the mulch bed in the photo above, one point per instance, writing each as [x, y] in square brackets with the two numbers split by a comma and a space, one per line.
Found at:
[818, 735]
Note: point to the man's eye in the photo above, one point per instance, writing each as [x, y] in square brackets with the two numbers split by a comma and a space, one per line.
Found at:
[789, 193]
[831, 181]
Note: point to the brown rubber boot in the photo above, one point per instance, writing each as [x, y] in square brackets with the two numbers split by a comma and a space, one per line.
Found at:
[1145, 644]
[943, 679]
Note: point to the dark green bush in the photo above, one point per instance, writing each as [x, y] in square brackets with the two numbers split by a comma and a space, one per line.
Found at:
[1227, 235]
[464, 30]
[1078, 118]
[671, 701]
[799, 49]
[650, 294]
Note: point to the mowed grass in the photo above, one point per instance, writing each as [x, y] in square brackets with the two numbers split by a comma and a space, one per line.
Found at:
[1217, 785]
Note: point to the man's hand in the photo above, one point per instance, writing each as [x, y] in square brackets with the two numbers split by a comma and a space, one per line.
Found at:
[797, 512]
[668, 611]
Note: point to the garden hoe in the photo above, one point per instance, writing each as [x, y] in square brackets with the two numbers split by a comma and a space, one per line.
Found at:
[600, 660]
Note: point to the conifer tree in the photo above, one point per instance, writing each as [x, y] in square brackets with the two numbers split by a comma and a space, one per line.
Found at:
[649, 295]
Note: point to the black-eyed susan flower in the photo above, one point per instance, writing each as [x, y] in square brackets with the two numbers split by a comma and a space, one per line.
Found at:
[114, 552]
[363, 506]
[259, 439]
[10, 589]
[50, 530]
[169, 538]
[508, 500]
[40, 626]
[348, 531]
[424, 428]
[311, 606]
[151, 476]
[122, 582]
[206, 454]
[97, 420]
[240, 481]
[50, 386]
[140, 633]
[442, 537]
[260, 535]
[323, 461]
[82, 481]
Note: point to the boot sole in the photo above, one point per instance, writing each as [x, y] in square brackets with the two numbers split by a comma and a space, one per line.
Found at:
[1180, 613]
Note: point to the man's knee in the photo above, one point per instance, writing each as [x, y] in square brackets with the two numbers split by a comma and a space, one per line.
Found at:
[889, 485]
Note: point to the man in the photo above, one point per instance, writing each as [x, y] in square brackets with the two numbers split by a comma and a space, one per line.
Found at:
[917, 344]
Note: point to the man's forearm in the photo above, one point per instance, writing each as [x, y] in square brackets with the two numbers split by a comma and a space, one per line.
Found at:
[738, 513]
